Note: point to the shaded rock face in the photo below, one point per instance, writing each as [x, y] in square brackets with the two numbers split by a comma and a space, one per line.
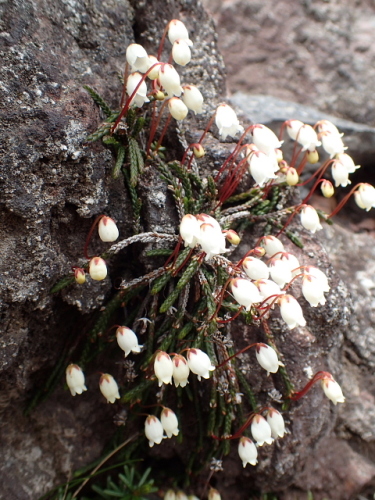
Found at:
[53, 185]
[316, 53]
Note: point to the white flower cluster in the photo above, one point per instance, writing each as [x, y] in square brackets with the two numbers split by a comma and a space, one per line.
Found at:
[155, 428]
[205, 231]
[166, 80]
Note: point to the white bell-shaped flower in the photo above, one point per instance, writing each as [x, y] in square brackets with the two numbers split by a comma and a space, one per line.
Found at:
[267, 358]
[127, 340]
[213, 494]
[245, 292]
[315, 271]
[178, 31]
[265, 139]
[97, 269]
[207, 219]
[255, 268]
[332, 143]
[181, 370]
[154, 73]
[75, 379]
[109, 388]
[177, 108]
[153, 430]
[292, 262]
[261, 430]
[211, 240]
[272, 246]
[365, 196]
[107, 229]
[326, 125]
[137, 57]
[169, 422]
[189, 230]
[312, 290]
[276, 422]
[227, 122]
[348, 162]
[332, 390]
[269, 290]
[141, 96]
[280, 272]
[340, 174]
[181, 52]
[261, 167]
[247, 451]
[170, 495]
[193, 98]
[199, 363]
[169, 79]
[310, 219]
[291, 311]
[304, 134]
[163, 368]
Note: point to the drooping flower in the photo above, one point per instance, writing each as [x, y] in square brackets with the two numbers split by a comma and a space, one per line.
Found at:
[265, 139]
[189, 230]
[255, 268]
[304, 134]
[75, 379]
[332, 143]
[211, 240]
[315, 271]
[181, 52]
[163, 368]
[269, 290]
[267, 358]
[326, 125]
[261, 167]
[247, 451]
[169, 422]
[365, 196]
[137, 57]
[193, 98]
[280, 272]
[178, 31]
[291, 311]
[107, 229]
[127, 340]
[109, 388]
[310, 219]
[227, 122]
[340, 174]
[177, 108]
[312, 290]
[97, 269]
[181, 370]
[170, 80]
[153, 430]
[141, 95]
[154, 73]
[199, 363]
[276, 422]
[348, 162]
[272, 245]
[261, 430]
[292, 262]
[332, 390]
[245, 292]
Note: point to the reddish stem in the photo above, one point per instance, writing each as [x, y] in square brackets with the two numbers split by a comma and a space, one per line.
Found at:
[318, 376]
[344, 200]
[89, 236]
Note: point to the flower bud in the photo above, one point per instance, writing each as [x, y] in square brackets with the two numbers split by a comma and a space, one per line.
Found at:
[227, 122]
[245, 292]
[127, 340]
[177, 31]
[169, 79]
[267, 358]
[327, 189]
[255, 268]
[272, 245]
[193, 98]
[159, 95]
[292, 176]
[247, 451]
[259, 252]
[154, 73]
[169, 422]
[79, 275]
[261, 430]
[332, 390]
[181, 370]
[232, 237]
[109, 388]
[291, 311]
[181, 52]
[75, 379]
[312, 157]
[107, 229]
[97, 269]
[177, 108]
[199, 363]
[198, 150]
[213, 494]
[279, 155]
[163, 368]
[141, 95]
[276, 422]
[310, 219]
[153, 430]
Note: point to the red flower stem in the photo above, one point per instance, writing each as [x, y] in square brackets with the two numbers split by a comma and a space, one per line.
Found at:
[222, 322]
[163, 132]
[318, 181]
[174, 253]
[318, 376]
[162, 40]
[297, 208]
[344, 200]
[89, 236]
[237, 353]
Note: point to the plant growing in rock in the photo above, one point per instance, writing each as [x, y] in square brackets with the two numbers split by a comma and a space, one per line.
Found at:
[177, 330]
